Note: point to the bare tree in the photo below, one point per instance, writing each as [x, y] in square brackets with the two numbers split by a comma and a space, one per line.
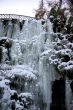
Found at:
[60, 4]
[70, 3]
[56, 8]
[40, 11]
[41, 4]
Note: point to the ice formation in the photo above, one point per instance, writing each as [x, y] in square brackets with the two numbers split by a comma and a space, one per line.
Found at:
[26, 74]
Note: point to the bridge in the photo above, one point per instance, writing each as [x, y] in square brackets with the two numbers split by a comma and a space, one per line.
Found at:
[15, 16]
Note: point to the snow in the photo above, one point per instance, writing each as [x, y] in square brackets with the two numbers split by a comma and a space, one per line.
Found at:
[12, 92]
[66, 65]
[64, 51]
[4, 82]
[69, 67]
[46, 52]
[22, 70]
[19, 107]
[26, 94]
[5, 67]
[3, 38]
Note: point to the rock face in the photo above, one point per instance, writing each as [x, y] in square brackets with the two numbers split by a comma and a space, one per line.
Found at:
[62, 54]
[27, 77]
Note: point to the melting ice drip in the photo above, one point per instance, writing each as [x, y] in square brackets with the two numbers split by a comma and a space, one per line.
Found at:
[30, 52]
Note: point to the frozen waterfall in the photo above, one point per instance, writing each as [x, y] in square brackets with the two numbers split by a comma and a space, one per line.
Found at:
[28, 69]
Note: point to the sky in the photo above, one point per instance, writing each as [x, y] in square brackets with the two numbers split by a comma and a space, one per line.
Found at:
[21, 7]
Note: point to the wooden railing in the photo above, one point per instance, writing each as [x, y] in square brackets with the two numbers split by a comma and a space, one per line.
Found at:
[15, 16]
